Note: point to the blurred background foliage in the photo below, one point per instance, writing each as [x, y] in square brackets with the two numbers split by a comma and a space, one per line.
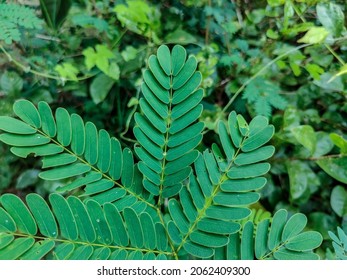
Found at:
[284, 59]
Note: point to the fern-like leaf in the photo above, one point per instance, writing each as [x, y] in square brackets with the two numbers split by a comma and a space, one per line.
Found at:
[280, 239]
[218, 196]
[71, 229]
[339, 243]
[264, 95]
[12, 17]
[166, 129]
[71, 148]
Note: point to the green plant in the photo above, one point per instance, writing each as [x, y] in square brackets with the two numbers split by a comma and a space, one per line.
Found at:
[175, 202]
[339, 244]
[12, 18]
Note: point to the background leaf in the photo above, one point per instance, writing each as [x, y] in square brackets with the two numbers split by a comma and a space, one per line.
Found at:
[55, 11]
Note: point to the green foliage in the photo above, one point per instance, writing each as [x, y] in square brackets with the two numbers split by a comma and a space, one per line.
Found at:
[91, 63]
[264, 95]
[12, 17]
[121, 214]
[339, 243]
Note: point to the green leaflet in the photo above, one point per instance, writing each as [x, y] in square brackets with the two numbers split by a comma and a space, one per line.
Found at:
[134, 227]
[102, 230]
[12, 125]
[218, 226]
[64, 131]
[43, 215]
[278, 223]
[197, 250]
[24, 140]
[42, 150]
[91, 153]
[178, 216]
[186, 73]
[27, 112]
[164, 59]
[6, 223]
[48, 123]
[179, 56]
[83, 221]
[58, 160]
[78, 134]
[64, 216]
[65, 171]
[104, 151]
[149, 231]
[261, 239]
[304, 241]
[247, 242]
[19, 213]
[294, 226]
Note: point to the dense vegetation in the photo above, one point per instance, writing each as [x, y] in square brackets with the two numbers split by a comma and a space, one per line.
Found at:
[275, 62]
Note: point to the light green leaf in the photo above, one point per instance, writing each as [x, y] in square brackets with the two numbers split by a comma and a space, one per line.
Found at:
[338, 201]
[306, 136]
[275, 3]
[339, 141]
[99, 57]
[335, 167]
[67, 71]
[332, 18]
[315, 70]
[314, 35]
